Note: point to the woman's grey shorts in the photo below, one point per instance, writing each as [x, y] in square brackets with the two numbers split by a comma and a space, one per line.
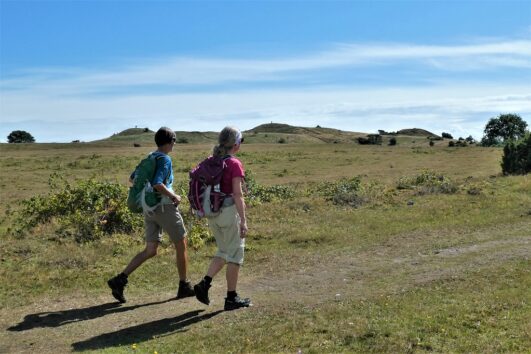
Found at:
[226, 230]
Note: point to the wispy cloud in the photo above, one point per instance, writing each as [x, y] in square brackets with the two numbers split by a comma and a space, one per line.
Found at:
[344, 108]
[192, 93]
[185, 71]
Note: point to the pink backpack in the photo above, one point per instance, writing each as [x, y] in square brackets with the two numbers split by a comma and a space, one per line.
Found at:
[204, 191]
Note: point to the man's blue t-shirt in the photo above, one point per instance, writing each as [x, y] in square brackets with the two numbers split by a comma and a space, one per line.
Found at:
[163, 172]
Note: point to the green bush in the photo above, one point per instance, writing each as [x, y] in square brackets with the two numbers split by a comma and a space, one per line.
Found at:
[346, 191]
[257, 193]
[428, 182]
[86, 211]
[517, 156]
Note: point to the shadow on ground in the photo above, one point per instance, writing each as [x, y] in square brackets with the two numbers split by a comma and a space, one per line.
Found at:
[143, 332]
[60, 318]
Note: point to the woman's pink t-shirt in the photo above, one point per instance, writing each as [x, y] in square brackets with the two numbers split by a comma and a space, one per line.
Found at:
[234, 169]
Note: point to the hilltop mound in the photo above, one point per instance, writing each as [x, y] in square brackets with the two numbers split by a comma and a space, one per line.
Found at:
[275, 128]
[415, 132]
[145, 136]
[269, 133]
[134, 131]
[299, 134]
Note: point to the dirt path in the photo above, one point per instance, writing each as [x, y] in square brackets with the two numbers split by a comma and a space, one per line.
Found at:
[81, 323]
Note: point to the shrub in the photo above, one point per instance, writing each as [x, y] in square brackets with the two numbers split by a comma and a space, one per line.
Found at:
[371, 139]
[85, 212]
[346, 191]
[182, 140]
[281, 141]
[517, 156]
[257, 193]
[392, 141]
[432, 143]
[451, 143]
[470, 139]
[428, 182]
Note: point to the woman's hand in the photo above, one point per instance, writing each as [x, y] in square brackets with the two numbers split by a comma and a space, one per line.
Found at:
[243, 229]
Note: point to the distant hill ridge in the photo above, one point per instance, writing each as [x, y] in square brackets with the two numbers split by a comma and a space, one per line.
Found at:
[415, 132]
[264, 133]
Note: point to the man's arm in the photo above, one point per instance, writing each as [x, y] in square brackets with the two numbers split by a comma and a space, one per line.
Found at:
[162, 189]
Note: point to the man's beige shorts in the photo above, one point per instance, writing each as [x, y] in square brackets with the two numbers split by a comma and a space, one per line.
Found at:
[226, 230]
[169, 220]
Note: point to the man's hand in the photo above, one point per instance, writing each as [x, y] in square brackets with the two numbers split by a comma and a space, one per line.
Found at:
[176, 199]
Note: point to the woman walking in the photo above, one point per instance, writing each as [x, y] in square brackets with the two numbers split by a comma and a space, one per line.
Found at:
[230, 226]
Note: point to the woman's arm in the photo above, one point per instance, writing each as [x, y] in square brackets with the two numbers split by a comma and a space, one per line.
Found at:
[237, 194]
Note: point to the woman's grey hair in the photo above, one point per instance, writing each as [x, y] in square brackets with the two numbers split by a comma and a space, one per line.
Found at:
[226, 140]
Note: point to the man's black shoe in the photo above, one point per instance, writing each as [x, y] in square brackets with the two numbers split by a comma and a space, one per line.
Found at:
[237, 303]
[201, 292]
[117, 285]
[185, 290]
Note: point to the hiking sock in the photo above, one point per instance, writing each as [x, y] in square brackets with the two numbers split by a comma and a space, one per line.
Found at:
[231, 295]
[207, 280]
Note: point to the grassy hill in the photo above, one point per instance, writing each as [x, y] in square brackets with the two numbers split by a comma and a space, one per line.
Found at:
[269, 134]
[416, 132]
[145, 137]
[273, 132]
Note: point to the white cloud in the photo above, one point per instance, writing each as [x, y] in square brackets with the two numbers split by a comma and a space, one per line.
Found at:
[148, 93]
[183, 71]
[343, 108]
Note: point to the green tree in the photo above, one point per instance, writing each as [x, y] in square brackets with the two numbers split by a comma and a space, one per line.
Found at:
[447, 135]
[503, 128]
[20, 136]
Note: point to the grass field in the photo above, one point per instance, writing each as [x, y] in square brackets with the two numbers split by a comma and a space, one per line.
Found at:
[405, 271]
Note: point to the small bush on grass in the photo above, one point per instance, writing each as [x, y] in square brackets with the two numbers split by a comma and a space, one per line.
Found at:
[346, 191]
[85, 212]
[428, 182]
[257, 193]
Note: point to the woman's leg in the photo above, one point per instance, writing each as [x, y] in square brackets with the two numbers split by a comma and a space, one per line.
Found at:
[233, 270]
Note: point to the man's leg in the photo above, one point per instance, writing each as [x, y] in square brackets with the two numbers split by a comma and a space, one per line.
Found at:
[118, 283]
[148, 252]
[181, 254]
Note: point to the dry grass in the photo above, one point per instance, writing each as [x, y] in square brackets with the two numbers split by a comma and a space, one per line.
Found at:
[414, 273]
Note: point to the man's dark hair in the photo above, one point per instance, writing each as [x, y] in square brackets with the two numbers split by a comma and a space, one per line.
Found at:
[164, 136]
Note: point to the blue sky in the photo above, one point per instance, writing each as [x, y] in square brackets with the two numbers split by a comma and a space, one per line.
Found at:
[87, 69]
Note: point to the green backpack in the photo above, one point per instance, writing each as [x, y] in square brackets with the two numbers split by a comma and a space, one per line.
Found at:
[142, 198]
